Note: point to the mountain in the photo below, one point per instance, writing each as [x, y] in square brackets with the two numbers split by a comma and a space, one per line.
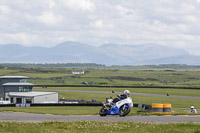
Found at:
[108, 54]
[181, 59]
[139, 53]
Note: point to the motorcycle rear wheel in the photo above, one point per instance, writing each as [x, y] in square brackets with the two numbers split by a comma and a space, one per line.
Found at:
[103, 111]
[124, 111]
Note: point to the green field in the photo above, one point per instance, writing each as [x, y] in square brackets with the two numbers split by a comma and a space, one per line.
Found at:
[66, 110]
[162, 91]
[59, 76]
[177, 103]
[111, 77]
[62, 110]
[97, 127]
[59, 110]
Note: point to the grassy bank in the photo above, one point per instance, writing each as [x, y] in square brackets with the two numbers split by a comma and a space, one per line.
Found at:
[97, 127]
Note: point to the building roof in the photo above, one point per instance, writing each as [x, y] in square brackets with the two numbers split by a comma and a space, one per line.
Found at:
[30, 94]
[13, 77]
[17, 84]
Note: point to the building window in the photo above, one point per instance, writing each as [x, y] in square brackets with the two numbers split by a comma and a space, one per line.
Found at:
[30, 88]
[25, 89]
[21, 89]
[28, 100]
[22, 80]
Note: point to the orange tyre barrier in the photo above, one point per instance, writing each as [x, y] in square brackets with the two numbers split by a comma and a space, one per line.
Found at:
[157, 108]
[167, 108]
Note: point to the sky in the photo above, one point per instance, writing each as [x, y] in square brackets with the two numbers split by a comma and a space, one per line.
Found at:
[174, 23]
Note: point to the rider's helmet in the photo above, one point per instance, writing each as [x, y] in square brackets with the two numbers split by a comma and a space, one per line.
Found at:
[192, 107]
[127, 92]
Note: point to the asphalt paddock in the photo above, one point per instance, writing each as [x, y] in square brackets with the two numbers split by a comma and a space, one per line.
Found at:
[30, 117]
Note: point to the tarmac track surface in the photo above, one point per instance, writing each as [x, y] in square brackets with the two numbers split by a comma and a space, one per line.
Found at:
[30, 117]
[109, 92]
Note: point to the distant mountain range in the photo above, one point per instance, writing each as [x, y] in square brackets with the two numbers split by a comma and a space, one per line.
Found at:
[108, 54]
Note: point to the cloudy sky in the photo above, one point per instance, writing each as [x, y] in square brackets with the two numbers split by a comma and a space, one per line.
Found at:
[46, 23]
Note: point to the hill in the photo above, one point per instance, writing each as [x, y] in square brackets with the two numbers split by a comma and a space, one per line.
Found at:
[108, 54]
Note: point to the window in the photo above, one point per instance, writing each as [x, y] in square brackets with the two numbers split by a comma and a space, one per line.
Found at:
[19, 100]
[25, 89]
[22, 80]
[28, 100]
[30, 88]
[21, 89]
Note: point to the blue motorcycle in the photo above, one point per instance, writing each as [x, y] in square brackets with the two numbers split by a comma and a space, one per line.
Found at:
[121, 108]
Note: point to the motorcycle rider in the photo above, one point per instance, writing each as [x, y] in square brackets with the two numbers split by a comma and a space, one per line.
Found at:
[193, 110]
[122, 96]
[119, 106]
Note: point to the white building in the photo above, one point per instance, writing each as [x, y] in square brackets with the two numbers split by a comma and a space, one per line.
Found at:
[16, 90]
[78, 72]
[33, 97]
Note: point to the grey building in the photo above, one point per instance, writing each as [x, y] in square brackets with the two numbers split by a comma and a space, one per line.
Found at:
[16, 89]
[13, 84]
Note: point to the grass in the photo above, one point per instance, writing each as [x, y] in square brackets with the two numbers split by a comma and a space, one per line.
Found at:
[116, 77]
[176, 102]
[97, 127]
[56, 110]
[75, 110]
[162, 91]
[42, 76]
[62, 110]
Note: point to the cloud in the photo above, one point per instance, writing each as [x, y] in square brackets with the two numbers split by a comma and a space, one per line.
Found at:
[123, 10]
[4, 9]
[51, 4]
[83, 5]
[50, 18]
[99, 24]
[94, 22]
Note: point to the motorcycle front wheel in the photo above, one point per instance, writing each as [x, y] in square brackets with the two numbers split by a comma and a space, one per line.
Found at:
[103, 111]
[124, 110]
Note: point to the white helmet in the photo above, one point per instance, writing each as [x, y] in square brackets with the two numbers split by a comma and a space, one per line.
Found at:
[127, 92]
[192, 107]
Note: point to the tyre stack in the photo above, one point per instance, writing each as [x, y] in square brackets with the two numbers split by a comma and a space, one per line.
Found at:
[161, 108]
[167, 108]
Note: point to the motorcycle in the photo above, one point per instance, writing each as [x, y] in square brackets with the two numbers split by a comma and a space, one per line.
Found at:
[121, 108]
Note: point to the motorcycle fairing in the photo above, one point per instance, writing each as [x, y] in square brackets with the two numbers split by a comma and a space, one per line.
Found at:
[114, 110]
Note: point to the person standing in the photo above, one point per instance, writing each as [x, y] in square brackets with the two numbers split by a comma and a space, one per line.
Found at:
[193, 110]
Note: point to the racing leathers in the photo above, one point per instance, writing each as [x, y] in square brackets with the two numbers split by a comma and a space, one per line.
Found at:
[120, 96]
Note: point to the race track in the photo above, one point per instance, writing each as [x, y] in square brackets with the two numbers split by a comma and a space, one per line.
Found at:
[29, 117]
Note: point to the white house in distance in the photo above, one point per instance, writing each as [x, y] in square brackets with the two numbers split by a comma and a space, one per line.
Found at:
[78, 72]
[16, 90]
